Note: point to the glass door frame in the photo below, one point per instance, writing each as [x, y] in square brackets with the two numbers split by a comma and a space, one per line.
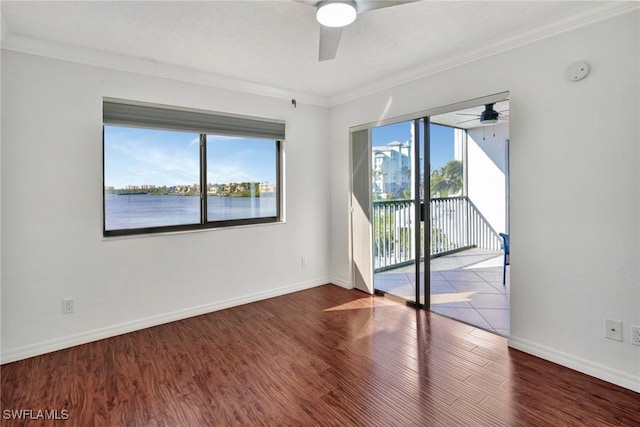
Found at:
[422, 214]
[422, 209]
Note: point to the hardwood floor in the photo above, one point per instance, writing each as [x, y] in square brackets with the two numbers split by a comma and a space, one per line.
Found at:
[324, 356]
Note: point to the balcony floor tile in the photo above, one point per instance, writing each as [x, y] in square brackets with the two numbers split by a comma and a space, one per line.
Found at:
[498, 319]
[499, 301]
[465, 286]
[461, 276]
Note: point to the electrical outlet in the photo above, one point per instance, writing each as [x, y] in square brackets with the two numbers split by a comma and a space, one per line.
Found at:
[613, 329]
[68, 305]
[303, 262]
[635, 335]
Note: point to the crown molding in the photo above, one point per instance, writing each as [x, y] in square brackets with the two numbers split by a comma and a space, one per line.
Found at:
[55, 50]
[517, 39]
[20, 43]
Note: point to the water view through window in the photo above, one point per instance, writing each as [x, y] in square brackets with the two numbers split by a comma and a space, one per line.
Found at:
[241, 178]
[152, 178]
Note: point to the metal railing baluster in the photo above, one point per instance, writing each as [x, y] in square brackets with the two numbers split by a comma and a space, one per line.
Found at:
[455, 224]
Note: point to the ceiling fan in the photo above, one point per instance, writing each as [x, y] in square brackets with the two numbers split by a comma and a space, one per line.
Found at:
[488, 117]
[334, 15]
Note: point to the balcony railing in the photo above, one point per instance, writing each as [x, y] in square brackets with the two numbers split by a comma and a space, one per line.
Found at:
[456, 224]
[393, 242]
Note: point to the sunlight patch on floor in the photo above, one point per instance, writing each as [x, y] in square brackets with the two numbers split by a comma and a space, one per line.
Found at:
[490, 263]
[352, 305]
[451, 297]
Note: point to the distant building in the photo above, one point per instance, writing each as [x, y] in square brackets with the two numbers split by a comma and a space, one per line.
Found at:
[213, 189]
[267, 187]
[139, 187]
[391, 170]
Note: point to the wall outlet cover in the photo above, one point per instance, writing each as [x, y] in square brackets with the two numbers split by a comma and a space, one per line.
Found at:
[613, 329]
[68, 305]
[635, 335]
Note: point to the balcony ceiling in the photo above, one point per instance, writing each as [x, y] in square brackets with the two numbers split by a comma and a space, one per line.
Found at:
[274, 44]
[470, 118]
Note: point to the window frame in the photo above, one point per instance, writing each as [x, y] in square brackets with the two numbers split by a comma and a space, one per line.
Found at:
[204, 223]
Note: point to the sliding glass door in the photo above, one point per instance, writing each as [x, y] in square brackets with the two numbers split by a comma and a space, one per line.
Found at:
[411, 204]
[423, 236]
[396, 183]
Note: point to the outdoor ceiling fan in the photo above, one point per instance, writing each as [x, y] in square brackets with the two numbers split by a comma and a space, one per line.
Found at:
[334, 15]
[488, 117]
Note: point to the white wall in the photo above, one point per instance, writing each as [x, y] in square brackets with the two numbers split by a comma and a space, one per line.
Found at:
[486, 172]
[52, 245]
[574, 187]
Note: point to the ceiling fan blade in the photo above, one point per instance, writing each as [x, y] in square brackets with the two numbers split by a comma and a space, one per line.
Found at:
[367, 5]
[468, 114]
[329, 41]
[330, 37]
[467, 121]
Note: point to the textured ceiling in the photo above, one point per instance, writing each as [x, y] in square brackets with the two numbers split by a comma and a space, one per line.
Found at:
[275, 43]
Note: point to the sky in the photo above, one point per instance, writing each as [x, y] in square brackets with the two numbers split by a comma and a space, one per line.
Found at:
[441, 140]
[134, 156]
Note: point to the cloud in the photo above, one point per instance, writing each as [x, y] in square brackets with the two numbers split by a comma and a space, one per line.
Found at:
[142, 156]
[172, 168]
[135, 158]
[219, 173]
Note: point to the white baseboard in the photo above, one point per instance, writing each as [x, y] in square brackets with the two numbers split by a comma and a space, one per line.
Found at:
[12, 355]
[342, 283]
[605, 373]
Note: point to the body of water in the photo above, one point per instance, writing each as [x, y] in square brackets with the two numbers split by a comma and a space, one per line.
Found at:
[146, 210]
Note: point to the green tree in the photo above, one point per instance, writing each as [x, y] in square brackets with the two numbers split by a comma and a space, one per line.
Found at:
[448, 180]
[406, 194]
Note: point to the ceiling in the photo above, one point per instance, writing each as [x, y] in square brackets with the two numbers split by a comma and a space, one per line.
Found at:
[274, 44]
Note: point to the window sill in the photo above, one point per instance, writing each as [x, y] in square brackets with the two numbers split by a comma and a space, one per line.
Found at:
[199, 230]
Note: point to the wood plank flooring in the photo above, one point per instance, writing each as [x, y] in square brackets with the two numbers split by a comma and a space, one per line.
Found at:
[324, 356]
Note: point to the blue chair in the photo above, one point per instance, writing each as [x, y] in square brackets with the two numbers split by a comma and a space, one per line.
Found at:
[505, 248]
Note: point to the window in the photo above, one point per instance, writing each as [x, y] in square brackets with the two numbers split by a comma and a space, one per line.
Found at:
[173, 169]
[241, 178]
